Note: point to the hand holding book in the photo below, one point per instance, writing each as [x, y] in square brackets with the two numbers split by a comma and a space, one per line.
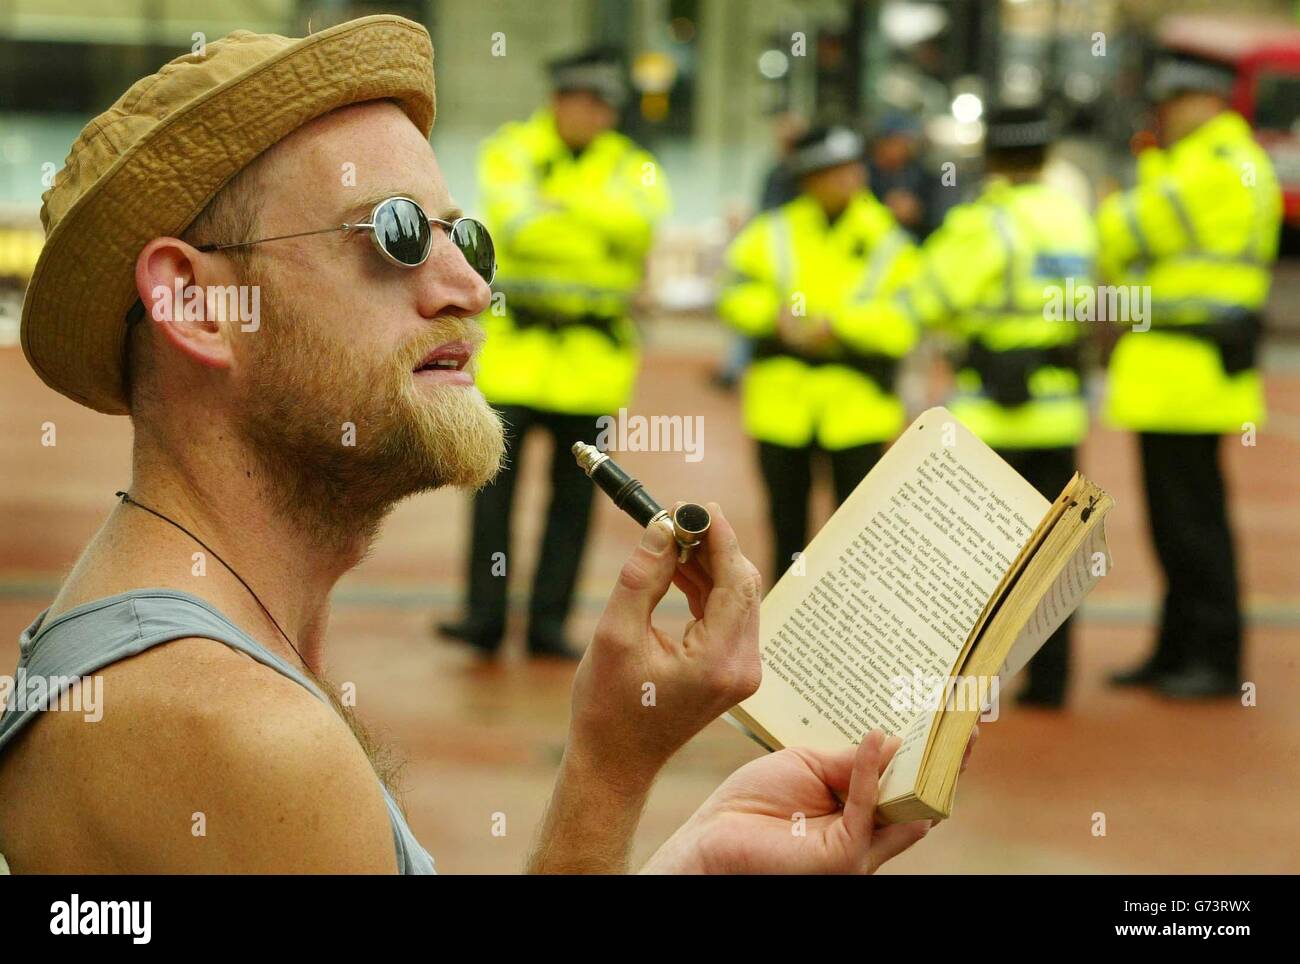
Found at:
[943, 566]
[797, 811]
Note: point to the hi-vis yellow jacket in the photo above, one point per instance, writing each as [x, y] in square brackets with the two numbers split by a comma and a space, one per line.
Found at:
[19, 249]
[1201, 229]
[572, 234]
[1011, 275]
[791, 258]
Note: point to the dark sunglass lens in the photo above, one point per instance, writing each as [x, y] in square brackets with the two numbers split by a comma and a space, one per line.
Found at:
[473, 240]
[403, 231]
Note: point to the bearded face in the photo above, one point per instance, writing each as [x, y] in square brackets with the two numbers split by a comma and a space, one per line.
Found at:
[352, 417]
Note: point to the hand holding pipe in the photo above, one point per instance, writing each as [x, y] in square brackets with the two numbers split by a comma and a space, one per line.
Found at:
[689, 520]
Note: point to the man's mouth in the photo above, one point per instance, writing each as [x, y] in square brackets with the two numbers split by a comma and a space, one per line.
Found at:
[447, 363]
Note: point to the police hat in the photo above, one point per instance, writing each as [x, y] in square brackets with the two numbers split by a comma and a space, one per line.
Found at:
[598, 70]
[1013, 128]
[1174, 76]
[825, 147]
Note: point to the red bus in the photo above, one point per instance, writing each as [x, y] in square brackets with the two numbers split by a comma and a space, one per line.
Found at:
[1264, 55]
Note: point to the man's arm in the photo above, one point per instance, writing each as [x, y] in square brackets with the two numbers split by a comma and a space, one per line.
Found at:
[640, 695]
[625, 208]
[1155, 219]
[523, 222]
[751, 300]
[871, 318]
[931, 288]
[957, 263]
[590, 821]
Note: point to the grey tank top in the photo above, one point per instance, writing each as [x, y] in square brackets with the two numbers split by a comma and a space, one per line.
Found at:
[84, 640]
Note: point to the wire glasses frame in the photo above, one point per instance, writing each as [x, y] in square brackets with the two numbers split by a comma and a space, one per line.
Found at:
[402, 233]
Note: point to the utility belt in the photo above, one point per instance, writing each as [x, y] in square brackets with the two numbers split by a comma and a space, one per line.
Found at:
[1004, 375]
[1236, 335]
[607, 325]
[881, 369]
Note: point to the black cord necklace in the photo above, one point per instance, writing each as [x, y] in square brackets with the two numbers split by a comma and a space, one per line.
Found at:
[126, 499]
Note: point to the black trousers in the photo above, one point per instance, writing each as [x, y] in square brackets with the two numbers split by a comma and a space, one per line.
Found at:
[563, 542]
[1048, 471]
[788, 475]
[1187, 503]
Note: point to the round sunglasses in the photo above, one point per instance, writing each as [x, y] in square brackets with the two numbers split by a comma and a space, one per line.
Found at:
[403, 234]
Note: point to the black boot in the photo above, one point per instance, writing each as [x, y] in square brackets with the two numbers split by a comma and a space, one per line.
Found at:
[485, 639]
[1145, 674]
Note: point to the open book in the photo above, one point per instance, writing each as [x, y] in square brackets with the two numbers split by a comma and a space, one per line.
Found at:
[941, 574]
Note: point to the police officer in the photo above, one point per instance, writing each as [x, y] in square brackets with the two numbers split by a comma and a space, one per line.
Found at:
[1201, 229]
[996, 275]
[572, 205]
[803, 280]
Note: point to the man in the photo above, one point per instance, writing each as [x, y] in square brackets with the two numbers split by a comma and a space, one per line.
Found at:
[270, 448]
[780, 187]
[995, 275]
[572, 203]
[822, 380]
[1200, 232]
[898, 177]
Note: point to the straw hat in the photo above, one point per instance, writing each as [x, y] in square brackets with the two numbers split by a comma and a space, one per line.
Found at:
[147, 167]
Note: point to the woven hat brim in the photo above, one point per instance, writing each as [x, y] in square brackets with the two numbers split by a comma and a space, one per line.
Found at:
[74, 312]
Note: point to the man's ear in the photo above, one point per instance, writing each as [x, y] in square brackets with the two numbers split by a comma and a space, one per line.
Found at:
[174, 295]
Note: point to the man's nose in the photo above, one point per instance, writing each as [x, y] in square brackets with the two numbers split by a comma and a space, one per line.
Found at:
[448, 285]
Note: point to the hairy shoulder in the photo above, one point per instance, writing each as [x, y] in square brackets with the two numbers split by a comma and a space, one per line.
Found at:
[204, 761]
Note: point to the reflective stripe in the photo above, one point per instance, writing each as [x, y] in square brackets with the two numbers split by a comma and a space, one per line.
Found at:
[881, 260]
[1003, 222]
[1180, 211]
[519, 287]
[933, 280]
[559, 287]
[1218, 258]
[1008, 274]
[1129, 205]
[904, 300]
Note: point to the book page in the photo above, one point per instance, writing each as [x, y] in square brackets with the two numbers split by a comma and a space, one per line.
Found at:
[885, 596]
[901, 775]
[1068, 562]
[1081, 573]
